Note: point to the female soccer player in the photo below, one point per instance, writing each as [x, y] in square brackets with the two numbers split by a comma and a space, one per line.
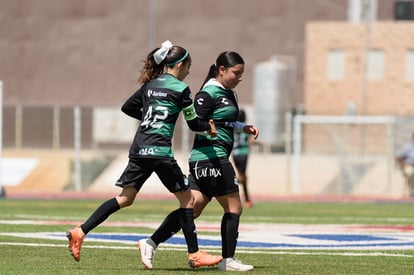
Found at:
[157, 103]
[211, 172]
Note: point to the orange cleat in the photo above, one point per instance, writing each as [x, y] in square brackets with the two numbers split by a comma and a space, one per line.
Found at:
[75, 237]
[201, 258]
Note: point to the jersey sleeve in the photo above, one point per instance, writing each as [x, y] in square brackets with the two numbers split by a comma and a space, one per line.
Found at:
[186, 99]
[190, 115]
[204, 105]
[133, 105]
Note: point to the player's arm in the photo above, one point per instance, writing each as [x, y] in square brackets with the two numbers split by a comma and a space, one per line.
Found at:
[193, 121]
[241, 127]
[133, 105]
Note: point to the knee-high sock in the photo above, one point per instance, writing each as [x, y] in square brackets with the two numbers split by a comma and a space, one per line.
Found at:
[189, 229]
[100, 214]
[169, 227]
[229, 234]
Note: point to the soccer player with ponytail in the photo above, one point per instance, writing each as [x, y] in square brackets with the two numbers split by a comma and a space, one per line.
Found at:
[211, 172]
[157, 104]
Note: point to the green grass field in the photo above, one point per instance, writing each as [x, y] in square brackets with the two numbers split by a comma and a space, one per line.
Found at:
[23, 254]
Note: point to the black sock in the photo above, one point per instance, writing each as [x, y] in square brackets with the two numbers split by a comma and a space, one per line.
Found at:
[229, 234]
[169, 227]
[100, 214]
[189, 230]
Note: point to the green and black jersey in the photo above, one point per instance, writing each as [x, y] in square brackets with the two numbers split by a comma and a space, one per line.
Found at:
[215, 102]
[157, 104]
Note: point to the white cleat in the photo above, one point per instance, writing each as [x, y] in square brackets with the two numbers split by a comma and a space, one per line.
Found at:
[147, 253]
[231, 264]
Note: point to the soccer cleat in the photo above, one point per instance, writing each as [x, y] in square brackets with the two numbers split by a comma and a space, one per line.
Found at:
[147, 253]
[201, 258]
[75, 237]
[231, 264]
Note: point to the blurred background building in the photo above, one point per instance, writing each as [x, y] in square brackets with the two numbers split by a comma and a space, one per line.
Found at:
[57, 54]
[68, 64]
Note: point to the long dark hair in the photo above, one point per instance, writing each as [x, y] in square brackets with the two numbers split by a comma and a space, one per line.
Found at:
[226, 59]
[152, 70]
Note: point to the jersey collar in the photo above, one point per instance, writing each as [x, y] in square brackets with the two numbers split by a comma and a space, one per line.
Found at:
[213, 82]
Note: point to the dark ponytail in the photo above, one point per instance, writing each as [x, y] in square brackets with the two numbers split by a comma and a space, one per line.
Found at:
[226, 59]
[152, 70]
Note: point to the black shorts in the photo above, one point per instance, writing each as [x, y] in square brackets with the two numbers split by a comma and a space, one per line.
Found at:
[240, 161]
[167, 169]
[213, 178]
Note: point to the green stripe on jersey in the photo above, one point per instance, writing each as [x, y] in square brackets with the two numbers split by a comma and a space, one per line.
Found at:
[172, 106]
[214, 91]
[167, 81]
[241, 151]
[207, 152]
[224, 112]
[166, 129]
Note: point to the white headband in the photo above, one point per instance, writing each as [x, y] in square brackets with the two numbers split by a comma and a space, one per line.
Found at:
[161, 53]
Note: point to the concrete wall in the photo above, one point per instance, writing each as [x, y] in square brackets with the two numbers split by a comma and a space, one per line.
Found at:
[89, 52]
[388, 95]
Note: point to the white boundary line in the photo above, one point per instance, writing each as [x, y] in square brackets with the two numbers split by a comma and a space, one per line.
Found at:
[169, 248]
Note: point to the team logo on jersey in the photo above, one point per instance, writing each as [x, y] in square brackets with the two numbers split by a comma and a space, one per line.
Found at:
[200, 101]
[225, 101]
[156, 93]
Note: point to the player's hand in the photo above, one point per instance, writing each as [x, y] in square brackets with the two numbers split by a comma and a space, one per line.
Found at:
[250, 129]
[212, 132]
